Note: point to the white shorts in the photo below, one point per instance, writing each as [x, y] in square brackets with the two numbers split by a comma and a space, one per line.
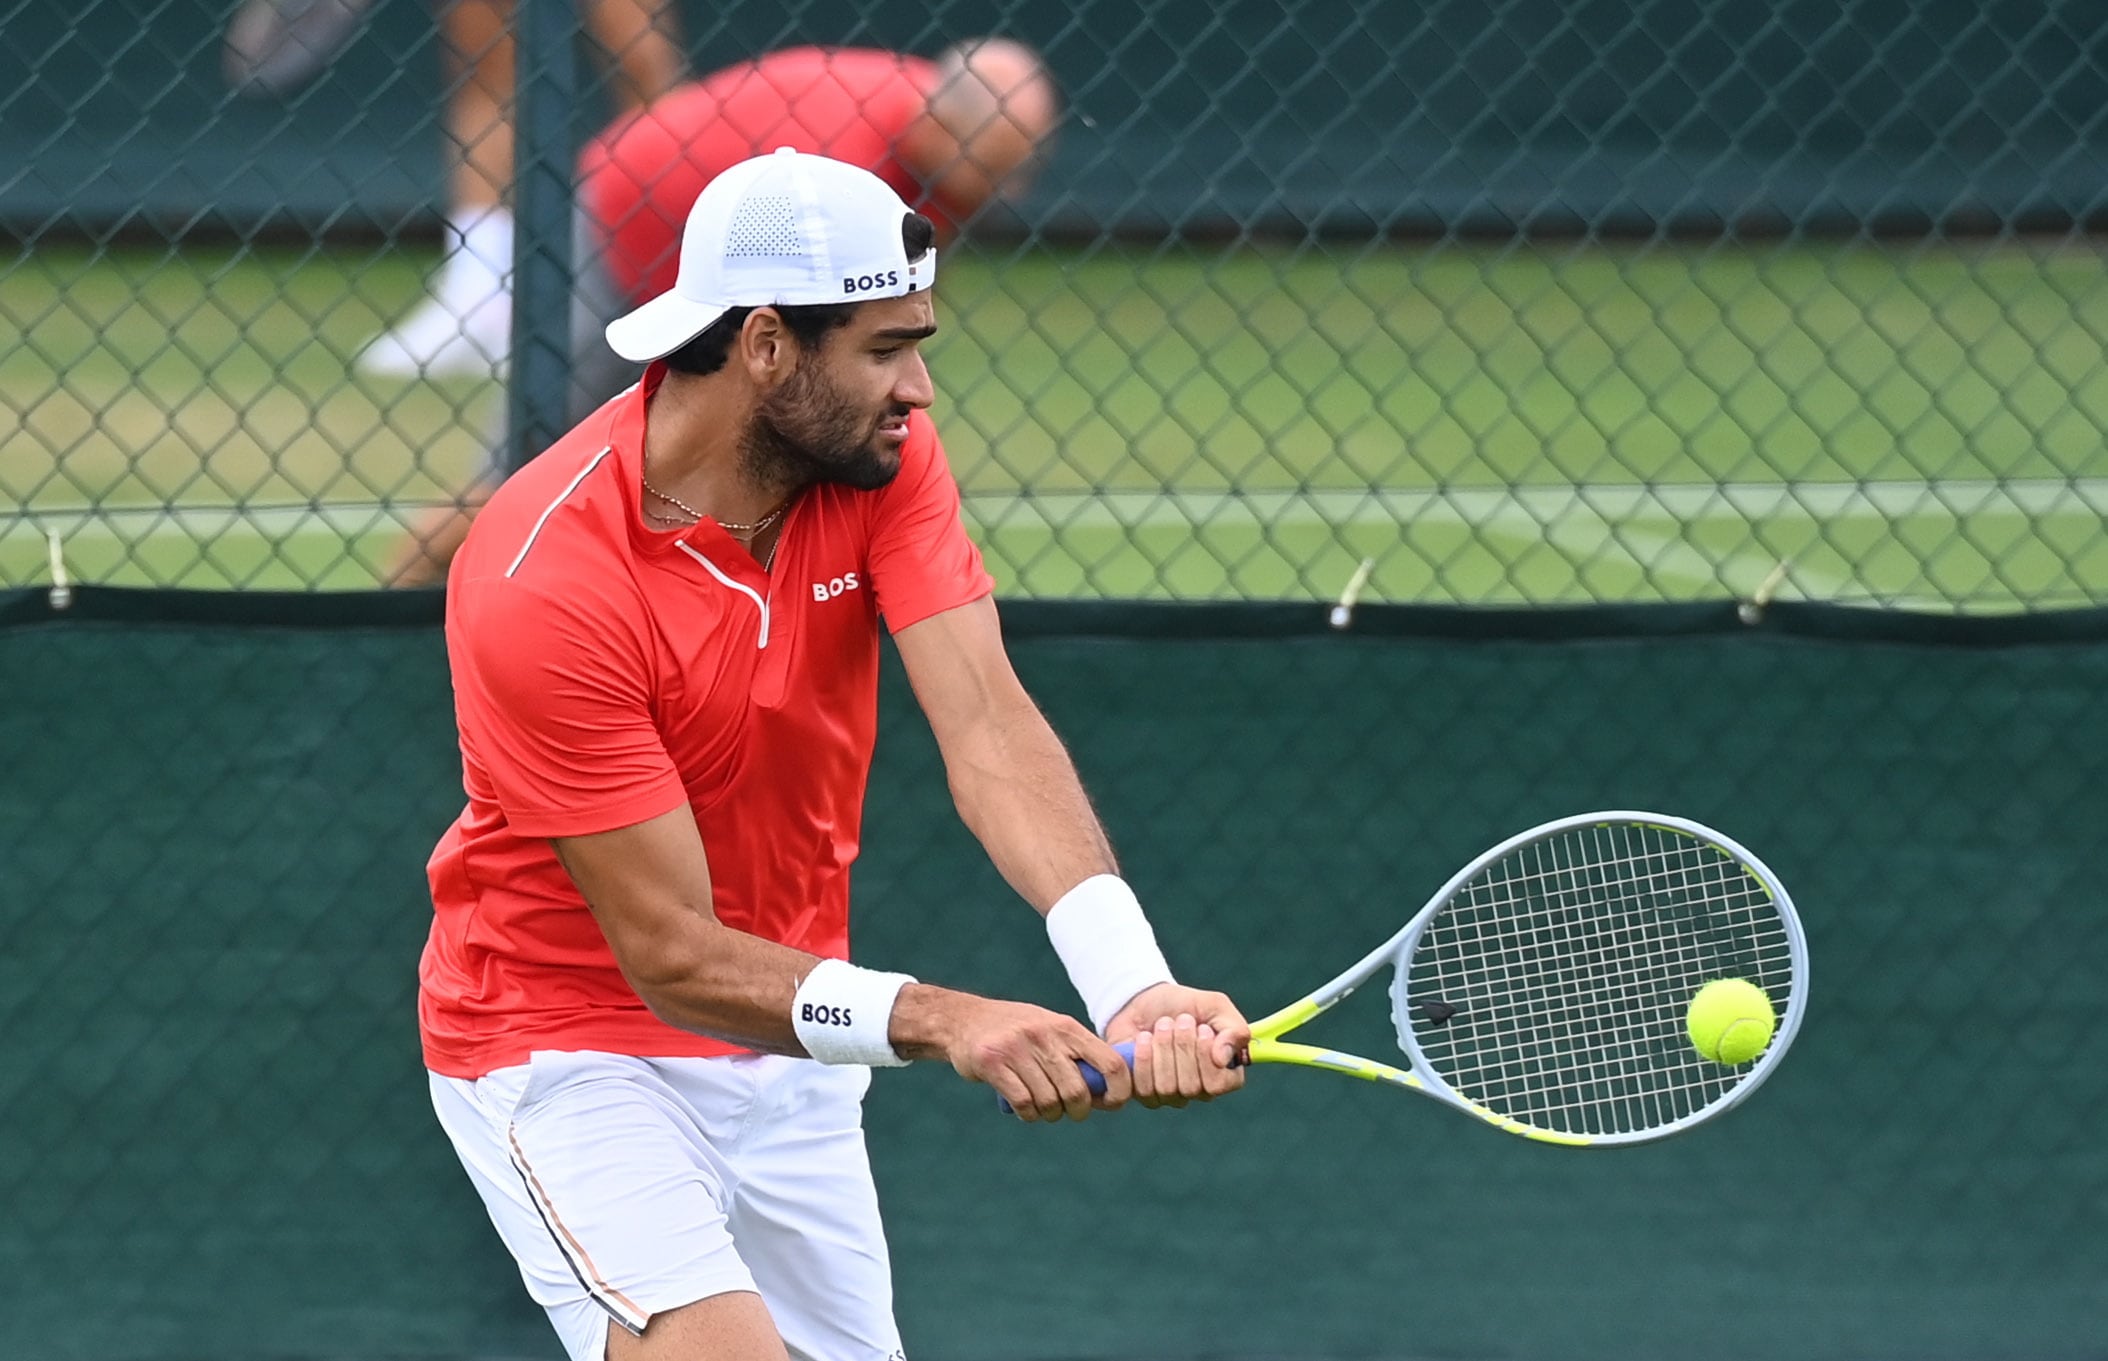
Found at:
[626, 1187]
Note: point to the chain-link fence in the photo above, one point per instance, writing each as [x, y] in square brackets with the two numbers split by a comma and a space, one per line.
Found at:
[1531, 302]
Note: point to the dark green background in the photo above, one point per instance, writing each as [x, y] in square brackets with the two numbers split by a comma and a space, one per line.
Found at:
[1341, 115]
[215, 1142]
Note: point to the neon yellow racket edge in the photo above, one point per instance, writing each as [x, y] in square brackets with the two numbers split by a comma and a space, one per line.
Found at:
[1545, 987]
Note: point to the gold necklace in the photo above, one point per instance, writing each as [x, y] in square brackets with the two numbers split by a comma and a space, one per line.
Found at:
[729, 526]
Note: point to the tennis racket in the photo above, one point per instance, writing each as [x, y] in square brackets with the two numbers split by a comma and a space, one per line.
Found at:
[274, 47]
[1544, 988]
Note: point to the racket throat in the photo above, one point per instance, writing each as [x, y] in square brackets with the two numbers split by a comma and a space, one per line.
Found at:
[1316, 1056]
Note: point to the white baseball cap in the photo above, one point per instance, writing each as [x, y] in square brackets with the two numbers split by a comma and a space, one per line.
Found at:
[789, 229]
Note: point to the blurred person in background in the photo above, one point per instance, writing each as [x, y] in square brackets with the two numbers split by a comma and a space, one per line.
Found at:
[464, 326]
[948, 134]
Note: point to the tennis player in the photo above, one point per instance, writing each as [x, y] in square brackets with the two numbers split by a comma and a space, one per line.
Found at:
[950, 134]
[644, 1037]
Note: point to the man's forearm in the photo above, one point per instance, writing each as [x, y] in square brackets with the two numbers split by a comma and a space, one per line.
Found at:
[1017, 791]
[719, 981]
[648, 886]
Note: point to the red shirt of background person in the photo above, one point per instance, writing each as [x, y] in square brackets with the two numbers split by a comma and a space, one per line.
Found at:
[946, 134]
[515, 961]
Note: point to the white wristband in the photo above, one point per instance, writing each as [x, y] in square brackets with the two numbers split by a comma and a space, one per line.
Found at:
[1106, 945]
[842, 1013]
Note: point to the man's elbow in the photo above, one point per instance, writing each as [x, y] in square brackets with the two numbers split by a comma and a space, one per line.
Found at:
[670, 971]
[976, 775]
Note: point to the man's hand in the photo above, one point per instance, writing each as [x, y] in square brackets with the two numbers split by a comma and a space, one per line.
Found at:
[1185, 1043]
[1027, 1053]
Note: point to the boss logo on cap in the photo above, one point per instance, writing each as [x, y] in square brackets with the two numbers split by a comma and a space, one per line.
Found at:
[864, 283]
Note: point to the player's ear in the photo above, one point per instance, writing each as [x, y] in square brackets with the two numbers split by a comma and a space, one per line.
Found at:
[766, 348]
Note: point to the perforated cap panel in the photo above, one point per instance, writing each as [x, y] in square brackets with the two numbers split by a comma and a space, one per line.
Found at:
[764, 224]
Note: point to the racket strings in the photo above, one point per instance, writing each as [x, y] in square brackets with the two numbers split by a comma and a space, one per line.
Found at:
[1537, 1072]
[1571, 963]
[1656, 1015]
[1591, 988]
[1613, 1063]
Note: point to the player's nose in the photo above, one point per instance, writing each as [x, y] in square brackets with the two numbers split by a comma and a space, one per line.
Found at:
[914, 388]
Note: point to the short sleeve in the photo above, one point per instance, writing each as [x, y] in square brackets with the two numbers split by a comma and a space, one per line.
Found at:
[554, 703]
[922, 562]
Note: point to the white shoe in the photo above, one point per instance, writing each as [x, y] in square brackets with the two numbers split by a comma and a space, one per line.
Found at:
[438, 340]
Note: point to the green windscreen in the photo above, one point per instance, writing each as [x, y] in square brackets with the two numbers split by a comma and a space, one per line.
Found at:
[216, 1140]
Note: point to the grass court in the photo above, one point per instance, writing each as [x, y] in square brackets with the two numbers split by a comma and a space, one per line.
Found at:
[1560, 422]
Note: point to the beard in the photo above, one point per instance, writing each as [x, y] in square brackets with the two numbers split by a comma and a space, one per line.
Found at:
[806, 432]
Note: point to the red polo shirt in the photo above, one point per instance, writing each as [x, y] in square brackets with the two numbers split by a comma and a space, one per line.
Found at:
[639, 178]
[605, 672]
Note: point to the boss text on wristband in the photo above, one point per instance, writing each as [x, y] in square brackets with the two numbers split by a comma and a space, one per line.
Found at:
[842, 1013]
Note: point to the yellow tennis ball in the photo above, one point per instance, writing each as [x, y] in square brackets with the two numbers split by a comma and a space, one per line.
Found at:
[1730, 1021]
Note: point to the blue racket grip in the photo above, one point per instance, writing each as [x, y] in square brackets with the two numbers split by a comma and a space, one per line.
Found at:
[1092, 1078]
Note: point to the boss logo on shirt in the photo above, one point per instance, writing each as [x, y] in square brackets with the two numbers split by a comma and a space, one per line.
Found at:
[834, 586]
[864, 283]
[823, 1015]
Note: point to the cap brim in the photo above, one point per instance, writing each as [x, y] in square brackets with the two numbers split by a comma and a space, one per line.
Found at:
[661, 326]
